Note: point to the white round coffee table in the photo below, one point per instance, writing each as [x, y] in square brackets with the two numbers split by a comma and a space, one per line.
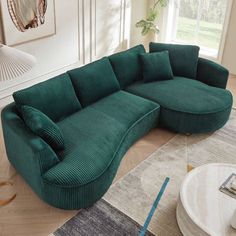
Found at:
[202, 209]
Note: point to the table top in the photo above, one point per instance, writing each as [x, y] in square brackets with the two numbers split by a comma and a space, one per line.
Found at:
[209, 208]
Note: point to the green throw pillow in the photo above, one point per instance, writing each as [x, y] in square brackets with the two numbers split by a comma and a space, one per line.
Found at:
[43, 126]
[183, 58]
[126, 65]
[156, 66]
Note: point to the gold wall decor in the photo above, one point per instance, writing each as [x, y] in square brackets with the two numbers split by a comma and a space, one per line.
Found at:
[27, 14]
[27, 20]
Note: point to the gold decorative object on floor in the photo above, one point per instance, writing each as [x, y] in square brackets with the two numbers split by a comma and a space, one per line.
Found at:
[6, 201]
[189, 168]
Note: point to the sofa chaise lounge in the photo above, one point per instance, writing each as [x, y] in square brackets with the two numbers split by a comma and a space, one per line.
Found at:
[101, 109]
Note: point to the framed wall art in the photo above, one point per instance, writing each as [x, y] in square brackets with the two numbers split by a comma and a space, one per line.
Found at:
[27, 20]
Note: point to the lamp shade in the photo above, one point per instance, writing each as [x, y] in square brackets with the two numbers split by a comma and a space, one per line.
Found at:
[14, 63]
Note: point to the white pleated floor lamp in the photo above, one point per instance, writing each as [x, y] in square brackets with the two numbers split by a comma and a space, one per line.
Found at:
[14, 63]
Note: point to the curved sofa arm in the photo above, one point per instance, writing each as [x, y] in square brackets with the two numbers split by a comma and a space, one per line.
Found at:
[212, 73]
[27, 152]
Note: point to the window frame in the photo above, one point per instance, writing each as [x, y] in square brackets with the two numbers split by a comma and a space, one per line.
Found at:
[169, 25]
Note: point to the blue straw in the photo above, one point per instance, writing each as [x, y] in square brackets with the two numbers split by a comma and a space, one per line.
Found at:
[154, 206]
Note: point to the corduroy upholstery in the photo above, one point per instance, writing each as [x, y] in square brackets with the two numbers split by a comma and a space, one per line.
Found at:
[97, 136]
[55, 97]
[126, 65]
[86, 195]
[93, 135]
[115, 105]
[187, 106]
[29, 153]
[212, 73]
[156, 66]
[43, 126]
[94, 145]
[183, 58]
[94, 81]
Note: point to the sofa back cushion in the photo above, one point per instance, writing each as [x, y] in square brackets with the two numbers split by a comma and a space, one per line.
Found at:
[183, 58]
[94, 81]
[126, 65]
[55, 97]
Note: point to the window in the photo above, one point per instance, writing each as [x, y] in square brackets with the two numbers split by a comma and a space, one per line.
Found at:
[200, 22]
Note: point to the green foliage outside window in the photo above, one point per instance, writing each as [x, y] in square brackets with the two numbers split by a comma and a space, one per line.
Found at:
[212, 11]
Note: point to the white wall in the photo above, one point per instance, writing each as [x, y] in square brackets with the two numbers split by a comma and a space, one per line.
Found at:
[138, 12]
[105, 27]
[52, 53]
[85, 31]
[229, 55]
[1, 38]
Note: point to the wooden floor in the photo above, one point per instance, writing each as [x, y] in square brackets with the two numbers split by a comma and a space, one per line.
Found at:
[27, 215]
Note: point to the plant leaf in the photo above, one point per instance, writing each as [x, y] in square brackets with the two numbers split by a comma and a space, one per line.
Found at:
[155, 30]
[164, 3]
[145, 30]
[152, 15]
[149, 24]
[141, 23]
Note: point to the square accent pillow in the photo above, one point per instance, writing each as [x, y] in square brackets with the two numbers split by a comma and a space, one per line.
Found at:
[183, 58]
[94, 81]
[43, 126]
[126, 65]
[156, 66]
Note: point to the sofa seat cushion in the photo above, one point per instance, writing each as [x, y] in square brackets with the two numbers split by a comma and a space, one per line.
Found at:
[125, 108]
[93, 137]
[187, 106]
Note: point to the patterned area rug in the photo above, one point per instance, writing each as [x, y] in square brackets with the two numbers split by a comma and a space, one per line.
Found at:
[101, 219]
[134, 193]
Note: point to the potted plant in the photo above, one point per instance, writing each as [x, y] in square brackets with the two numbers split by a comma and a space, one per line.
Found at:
[149, 25]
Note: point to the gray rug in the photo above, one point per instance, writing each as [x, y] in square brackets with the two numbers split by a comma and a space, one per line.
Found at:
[101, 219]
[134, 193]
[138, 188]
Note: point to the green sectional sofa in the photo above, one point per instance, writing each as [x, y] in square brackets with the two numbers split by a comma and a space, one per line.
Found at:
[66, 136]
